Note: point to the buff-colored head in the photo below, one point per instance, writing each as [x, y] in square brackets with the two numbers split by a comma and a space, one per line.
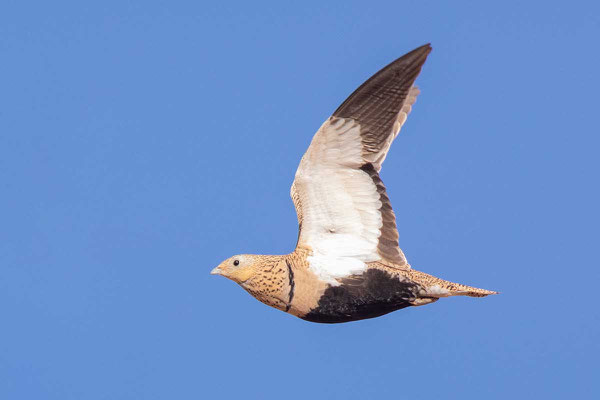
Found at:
[238, 268]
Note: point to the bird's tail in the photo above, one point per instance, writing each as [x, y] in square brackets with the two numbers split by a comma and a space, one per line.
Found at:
[436, 287]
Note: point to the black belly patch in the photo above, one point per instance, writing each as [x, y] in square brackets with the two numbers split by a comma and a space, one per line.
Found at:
[369, 295]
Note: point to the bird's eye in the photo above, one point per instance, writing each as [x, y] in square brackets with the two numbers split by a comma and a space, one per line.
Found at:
[236, 262]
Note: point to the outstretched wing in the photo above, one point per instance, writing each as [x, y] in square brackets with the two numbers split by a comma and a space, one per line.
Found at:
[344, 213]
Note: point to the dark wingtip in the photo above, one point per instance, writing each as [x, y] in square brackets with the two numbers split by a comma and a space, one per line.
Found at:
[401, 72]
[420, 52]
[425, 46]
[424, 49]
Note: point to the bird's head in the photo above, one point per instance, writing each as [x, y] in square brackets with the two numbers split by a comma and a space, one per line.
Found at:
[238, 268]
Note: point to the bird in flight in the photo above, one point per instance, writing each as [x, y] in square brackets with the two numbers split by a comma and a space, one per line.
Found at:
[347, 264]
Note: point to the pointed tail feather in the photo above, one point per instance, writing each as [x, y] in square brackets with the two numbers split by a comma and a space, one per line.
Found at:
[436, 287]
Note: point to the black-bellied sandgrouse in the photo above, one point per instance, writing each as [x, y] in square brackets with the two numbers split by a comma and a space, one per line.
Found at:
[347, 264]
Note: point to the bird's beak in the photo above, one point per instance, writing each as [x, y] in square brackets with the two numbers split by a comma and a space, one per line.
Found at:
[216, 271]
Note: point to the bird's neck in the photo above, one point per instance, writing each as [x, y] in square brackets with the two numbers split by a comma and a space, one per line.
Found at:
[271, 283]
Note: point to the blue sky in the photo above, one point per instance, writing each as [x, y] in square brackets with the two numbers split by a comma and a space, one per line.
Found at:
[141, 143]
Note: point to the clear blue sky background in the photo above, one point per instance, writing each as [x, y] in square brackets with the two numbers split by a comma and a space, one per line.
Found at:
[141, 143]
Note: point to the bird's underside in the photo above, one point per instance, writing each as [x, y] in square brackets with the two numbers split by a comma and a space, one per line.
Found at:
[348, 264]
[380, 290]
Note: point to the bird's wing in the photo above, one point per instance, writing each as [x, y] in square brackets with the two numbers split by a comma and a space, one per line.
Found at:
[344, 214]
